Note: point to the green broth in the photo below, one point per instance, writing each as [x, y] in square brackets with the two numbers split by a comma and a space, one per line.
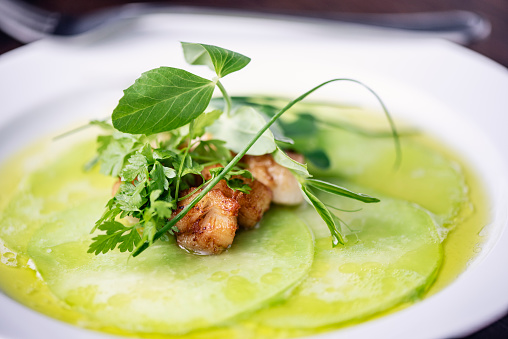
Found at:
[58, 185]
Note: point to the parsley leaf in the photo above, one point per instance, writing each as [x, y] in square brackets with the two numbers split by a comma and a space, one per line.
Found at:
[115, 233]
[113, 150]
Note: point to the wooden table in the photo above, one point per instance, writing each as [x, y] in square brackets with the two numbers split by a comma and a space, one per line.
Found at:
[494, 47]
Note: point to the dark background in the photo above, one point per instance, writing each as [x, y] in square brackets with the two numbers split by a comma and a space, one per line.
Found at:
[495, 46]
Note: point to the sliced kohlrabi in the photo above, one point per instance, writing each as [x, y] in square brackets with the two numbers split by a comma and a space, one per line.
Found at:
[425, 176]
[360, 148]
[392, 255]
[53, 187]
[167, 290]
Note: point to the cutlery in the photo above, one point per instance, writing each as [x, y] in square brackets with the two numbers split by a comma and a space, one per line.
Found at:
[26, 23]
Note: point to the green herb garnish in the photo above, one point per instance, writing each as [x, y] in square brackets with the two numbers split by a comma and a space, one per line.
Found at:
[158, 150]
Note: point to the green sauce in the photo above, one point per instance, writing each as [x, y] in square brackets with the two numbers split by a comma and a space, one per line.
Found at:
[40, 189]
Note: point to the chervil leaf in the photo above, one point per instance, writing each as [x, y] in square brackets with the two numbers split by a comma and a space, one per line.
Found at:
[222, 60]
[162, 99]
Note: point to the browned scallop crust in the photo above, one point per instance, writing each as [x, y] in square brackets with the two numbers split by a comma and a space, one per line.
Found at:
[210, 226]
[252, 205]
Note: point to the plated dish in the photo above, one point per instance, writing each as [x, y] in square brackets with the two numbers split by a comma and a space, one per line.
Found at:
[100, 83]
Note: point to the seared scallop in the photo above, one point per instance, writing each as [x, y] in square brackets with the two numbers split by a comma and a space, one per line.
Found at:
[210, 226]
[284, 186]
[252, 205]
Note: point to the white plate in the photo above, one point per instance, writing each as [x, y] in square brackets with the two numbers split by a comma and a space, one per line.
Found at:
[456, 94]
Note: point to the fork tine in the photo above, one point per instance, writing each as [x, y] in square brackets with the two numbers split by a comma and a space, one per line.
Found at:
[25, 22]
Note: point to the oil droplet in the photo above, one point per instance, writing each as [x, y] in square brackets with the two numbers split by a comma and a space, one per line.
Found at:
[218, 276]
[9, 259]
[271, 278]
[239, 289]
[9, 255]
[319, 270]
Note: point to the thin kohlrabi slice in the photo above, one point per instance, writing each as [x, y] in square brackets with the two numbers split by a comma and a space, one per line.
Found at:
[52, 187]
[167, 290]
[392, 256]
[425, 176]
[365, 154]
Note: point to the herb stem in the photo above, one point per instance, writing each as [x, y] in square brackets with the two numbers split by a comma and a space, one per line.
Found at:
[180, 169]
[226, 97]
[370, 134]
[191, 193]
[240, 155]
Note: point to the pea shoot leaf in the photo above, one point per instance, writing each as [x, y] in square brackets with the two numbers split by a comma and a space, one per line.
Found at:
[212, 150]
[161, 100]
[318, 158]
[240, 128]
[163, 154]
[203, 121]
[221, 60]
[283, 159]
[326, 215]
[337, 190]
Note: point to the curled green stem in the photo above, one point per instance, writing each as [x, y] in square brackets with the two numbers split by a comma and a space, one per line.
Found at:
[226, 97]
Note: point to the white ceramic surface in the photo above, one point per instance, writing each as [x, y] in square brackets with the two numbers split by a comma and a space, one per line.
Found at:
[454, 93]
